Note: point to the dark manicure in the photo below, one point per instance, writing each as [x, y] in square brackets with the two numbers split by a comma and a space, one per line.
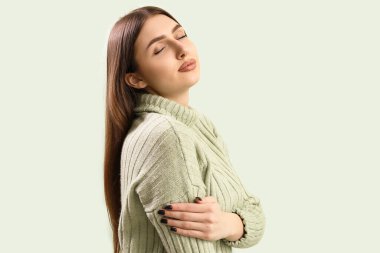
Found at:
[168, 207]
[198, 198]
[164, 221]
[161, 212]
[173, 229]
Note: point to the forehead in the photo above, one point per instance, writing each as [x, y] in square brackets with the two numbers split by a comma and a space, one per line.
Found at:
[153, 27]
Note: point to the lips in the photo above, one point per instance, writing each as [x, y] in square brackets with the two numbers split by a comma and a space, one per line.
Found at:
[186, 64]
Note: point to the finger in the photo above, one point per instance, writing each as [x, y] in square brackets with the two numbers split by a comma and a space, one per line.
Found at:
[188, 225]
[188, 207]
[188, 233]
[186, 216]
[208, 199]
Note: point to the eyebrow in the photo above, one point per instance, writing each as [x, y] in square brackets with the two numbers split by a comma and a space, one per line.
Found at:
[162, 36]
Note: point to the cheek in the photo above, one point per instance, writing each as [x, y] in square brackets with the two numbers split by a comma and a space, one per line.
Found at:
[163, 66]
[160, 71]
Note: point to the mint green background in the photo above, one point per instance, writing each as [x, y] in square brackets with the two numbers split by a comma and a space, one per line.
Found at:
[301, 78]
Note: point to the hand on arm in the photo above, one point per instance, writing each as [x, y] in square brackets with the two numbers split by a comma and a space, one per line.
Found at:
[172, 174]
[203, 219]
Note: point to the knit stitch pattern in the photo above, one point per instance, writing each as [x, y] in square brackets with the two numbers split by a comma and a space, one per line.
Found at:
[171, 154]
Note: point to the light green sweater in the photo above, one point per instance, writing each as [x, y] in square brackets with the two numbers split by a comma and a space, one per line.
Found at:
[173, 153]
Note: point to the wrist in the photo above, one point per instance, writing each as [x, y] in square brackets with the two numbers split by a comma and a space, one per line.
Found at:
[235, 226]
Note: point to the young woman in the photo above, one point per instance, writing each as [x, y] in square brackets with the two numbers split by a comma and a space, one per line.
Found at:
[169, 183]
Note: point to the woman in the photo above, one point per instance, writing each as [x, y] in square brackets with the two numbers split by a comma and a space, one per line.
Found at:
[169, 184]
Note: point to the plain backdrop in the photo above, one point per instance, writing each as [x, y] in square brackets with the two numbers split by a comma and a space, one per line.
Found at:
[292, 86]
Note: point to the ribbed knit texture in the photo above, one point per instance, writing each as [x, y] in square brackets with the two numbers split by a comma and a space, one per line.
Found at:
[173, 153]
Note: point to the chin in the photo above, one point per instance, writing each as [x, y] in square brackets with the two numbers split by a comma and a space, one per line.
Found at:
[190, 77]
[191, 81]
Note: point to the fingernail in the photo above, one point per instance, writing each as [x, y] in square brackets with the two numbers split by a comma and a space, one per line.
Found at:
[173, 229]
[198, 198]
[161, 212]
[164, 221]
[168, 207]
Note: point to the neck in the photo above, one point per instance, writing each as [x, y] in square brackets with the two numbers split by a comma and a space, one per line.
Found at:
[175, 106]
[182, 98]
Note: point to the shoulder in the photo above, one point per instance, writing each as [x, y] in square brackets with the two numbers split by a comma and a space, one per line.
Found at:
[151, 129]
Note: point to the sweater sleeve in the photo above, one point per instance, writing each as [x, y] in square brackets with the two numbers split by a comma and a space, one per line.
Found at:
[252, 216]
[250, 212]
[171, 174]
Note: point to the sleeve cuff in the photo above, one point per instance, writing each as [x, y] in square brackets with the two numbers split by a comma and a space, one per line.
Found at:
[253, 220]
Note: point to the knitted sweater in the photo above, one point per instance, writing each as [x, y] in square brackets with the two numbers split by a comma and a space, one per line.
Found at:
[173, 154]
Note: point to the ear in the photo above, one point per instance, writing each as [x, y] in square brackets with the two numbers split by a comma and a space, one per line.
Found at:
[133, 80]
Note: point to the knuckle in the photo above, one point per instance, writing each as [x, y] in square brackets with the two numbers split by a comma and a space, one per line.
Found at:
[208, 226]
[184, 216]
[210, 218]
[213, 219]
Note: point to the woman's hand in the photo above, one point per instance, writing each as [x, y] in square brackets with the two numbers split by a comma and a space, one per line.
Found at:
[203, 219]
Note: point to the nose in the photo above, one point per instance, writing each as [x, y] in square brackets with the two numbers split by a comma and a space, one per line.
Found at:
[181, 49]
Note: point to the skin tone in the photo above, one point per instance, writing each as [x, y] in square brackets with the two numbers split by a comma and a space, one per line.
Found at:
[157, 73]
[203, 219]
[159, 63]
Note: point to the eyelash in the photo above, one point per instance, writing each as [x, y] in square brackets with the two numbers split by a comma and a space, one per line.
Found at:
[164, 47]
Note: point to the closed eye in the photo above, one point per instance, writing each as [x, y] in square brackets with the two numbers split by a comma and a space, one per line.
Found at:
[164, 47]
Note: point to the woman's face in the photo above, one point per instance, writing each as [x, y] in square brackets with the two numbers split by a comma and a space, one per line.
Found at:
[159, 60]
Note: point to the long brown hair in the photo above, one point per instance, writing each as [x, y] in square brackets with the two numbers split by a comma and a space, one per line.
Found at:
[120, 102]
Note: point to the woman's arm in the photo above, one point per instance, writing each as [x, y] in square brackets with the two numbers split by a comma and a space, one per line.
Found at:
[236, 225]
[203, 219]
[250, 212]
[252, 216]
[172, 174]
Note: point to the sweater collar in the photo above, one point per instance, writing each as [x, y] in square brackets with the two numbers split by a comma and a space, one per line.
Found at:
[147, 102]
